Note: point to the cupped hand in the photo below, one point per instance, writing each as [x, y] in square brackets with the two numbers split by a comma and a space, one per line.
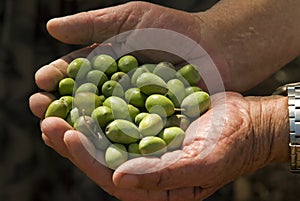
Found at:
[220, 146]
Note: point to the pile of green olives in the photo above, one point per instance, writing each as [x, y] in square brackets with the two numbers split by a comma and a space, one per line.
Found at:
[128, 109]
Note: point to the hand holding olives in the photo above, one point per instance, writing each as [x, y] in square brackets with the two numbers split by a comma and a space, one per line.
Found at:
[129, 109]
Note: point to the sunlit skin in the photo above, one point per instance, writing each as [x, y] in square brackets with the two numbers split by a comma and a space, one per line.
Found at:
[237, 135]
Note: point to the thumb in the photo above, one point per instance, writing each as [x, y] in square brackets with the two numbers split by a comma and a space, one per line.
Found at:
[97, 25]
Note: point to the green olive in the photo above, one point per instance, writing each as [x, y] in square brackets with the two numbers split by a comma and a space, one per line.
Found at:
[173, 136]
[189, 75]
[96, 77]
[103, 115]
[135, 97]
[160, 105]
[66, 86]
[105, 63]
[191, 89]
[133, 111]
[151, 125]
[149, 83]
[127, 63]
[152, 146]
[136, 73]
[176, 91]
[118, 106]
[115, 155]
[57, 108]
[195, 104]
[122, 78]
[138, 118]
[87, 87]
[78, 68]
[122, 131]
[112, 88]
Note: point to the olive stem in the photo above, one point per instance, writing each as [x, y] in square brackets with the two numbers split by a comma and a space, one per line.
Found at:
[179, 109]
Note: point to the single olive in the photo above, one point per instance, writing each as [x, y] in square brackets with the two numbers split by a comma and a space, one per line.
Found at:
[133, 111]
[152, 146]
[86, 102]
[173, 136]
[96, 77]
[195, 104]
[176, 91]
[122, 78]
[189, 75]
[115, 155]
[78, 68]
[112, 88]
[136, 73]
[160, 105]
[122, 131]
[138, 118]
[165, 70]
[191, 89]
[87, 87]
[135, 97]
[105, 63]
[66, 86]
[127, 63]
[103, 115]
[57, 108]
[151, 125]
[118, 106]
[149, 83]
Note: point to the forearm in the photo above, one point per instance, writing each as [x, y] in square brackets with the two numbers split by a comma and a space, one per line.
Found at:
[253, 39]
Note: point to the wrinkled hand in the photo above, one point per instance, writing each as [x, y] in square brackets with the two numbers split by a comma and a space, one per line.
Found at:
[219, 147]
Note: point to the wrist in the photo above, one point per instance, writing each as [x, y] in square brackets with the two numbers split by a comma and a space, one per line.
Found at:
[270, 120]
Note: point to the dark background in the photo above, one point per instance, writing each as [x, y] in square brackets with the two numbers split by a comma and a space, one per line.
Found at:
[29, 170]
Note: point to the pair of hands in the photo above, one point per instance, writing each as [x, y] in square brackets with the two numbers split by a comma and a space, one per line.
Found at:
[236, 136]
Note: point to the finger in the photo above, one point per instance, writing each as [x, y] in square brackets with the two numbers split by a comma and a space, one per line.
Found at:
[173, 170]
[84, 155]
[53, 129]
[48, 77]
[39, 102]
[95, 26]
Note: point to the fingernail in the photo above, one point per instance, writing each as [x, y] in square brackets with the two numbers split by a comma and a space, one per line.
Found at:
[128, 181]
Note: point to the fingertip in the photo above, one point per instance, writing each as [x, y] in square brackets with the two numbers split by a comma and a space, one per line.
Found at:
[48, 77]
[126, 181]
[39, 102]
[55, 126]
